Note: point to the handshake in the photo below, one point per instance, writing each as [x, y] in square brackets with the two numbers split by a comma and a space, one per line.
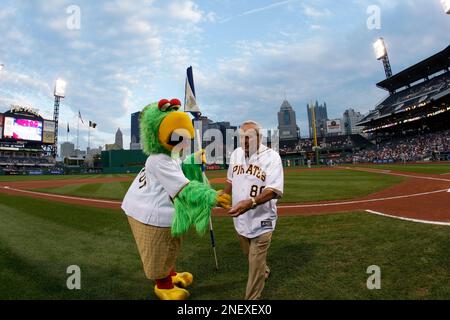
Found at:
[223, 199]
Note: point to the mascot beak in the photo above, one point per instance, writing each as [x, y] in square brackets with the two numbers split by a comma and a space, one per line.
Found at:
[176, 124]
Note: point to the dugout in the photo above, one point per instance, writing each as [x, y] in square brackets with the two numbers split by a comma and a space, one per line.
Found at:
[293, 160]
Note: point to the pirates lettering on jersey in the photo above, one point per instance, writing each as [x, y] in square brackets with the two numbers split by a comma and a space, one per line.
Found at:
[252, 170]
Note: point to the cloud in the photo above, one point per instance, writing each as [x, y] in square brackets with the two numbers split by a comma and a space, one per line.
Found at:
[137, 26]
[7, 13]
[121, 7]
[315, 13]
[315, 27]
[81, 45]
[130, 53]
[211, 17]
[337, 67]
[105, 70]
[185, 10]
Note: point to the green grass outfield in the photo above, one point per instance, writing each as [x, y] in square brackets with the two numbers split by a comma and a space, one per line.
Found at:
[107, 191]
[417, 168]
[318, 257]
[8, 178]
[301, 186]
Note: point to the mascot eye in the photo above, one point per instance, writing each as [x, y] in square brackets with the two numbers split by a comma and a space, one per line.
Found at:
[175, 104]
[164, 104]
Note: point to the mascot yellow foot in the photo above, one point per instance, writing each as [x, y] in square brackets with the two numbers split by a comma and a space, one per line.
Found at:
[182, 279]
[171, 294]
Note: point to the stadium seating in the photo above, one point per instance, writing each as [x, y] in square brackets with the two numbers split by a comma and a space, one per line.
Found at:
[354, 141]
[418, 147]
[413, 95]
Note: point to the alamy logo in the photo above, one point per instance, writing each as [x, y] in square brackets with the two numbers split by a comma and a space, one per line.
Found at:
[73, 22]
[374, 19]
[374, 281]
[74, 280]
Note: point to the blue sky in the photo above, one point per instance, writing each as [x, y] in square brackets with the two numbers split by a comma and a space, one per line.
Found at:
[247, 55]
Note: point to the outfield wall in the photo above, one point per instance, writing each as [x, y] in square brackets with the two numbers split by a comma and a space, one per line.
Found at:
[123, 161]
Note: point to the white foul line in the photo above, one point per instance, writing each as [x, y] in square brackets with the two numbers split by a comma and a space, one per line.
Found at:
[298, 206]
[295, 206]
[395, 174]
[62, 197]
[285, 206]
[409, 219]
[363, 201]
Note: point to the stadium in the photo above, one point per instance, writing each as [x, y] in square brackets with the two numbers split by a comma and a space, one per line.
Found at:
[413, 123]
[410, 125]
[351, 202]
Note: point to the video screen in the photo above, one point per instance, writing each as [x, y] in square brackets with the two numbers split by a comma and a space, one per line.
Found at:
[22, 129]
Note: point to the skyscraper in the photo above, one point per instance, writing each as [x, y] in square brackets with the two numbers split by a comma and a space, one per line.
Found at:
[135, 131]
[119, 139]
[350, 119]
[67, 149]
[321, 115]
[225, 128]
[287, 123]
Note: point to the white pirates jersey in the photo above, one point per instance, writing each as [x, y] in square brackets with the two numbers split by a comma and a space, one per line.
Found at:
[249, 177]
[149, 198]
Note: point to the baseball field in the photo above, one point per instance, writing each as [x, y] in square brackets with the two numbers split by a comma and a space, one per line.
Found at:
[334, 223]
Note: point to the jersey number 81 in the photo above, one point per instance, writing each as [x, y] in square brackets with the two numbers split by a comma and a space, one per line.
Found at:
[254, 190]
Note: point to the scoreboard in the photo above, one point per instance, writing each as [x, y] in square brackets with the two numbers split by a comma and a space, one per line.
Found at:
[17, 127]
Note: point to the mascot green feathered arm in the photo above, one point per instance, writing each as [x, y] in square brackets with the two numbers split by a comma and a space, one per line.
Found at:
[195, 200]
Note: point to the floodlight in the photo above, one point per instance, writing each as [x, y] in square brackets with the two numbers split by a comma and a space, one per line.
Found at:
[380, 49]
[60, 88]
[446, 5]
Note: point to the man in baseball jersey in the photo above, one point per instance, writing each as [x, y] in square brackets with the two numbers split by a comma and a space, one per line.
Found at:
[255, 180]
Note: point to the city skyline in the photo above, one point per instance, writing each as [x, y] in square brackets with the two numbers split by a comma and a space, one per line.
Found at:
[246, 57]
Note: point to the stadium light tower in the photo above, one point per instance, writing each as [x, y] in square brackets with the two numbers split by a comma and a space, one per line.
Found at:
[59, 92]
[382, 54]
[446, 5]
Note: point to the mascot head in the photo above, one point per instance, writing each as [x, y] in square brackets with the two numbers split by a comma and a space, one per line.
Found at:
[162, 125]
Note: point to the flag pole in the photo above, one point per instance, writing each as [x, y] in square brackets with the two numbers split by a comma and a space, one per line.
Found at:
[205, 180]
[78, 129]
[196, 114]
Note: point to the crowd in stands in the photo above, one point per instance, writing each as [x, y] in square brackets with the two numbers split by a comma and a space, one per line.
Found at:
[419, 147]
[331, 142]
[26, 161]
[302, 145]
[433, 85]
[415, 148]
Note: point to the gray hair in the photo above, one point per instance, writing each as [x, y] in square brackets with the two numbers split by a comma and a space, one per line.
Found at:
[256, 124]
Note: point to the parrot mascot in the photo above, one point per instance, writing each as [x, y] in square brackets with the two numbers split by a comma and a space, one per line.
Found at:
[167, 197]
